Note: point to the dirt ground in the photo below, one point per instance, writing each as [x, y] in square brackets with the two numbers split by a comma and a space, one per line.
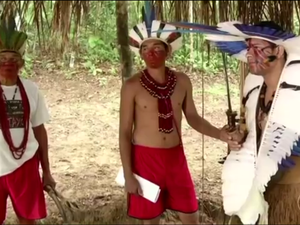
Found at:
[84, 155]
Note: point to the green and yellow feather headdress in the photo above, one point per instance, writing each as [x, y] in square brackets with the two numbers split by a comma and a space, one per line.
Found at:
[10, 38]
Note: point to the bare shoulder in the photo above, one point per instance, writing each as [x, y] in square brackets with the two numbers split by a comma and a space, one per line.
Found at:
[134, 79]
[131, 85]
[183, 78]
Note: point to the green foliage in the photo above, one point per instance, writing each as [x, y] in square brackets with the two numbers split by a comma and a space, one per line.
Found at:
[95, 44]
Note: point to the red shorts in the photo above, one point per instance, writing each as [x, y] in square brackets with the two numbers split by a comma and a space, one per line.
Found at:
[168, 169]
[25, 188]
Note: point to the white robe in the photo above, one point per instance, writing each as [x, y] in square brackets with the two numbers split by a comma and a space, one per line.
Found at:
[246, 173]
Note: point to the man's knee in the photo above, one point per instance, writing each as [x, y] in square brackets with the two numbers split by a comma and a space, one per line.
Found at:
[191, 218]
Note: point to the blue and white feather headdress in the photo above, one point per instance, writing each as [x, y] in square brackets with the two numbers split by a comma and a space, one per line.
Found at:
[246, 173]
[144, 31]
[230, 37]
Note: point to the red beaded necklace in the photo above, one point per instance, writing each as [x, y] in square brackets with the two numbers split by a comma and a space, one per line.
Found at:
[17, 152]
[163, 93]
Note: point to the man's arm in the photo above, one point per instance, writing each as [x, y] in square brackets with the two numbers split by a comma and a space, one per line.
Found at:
[193, 118]
[41, 136]
[40, 117]
[125, 125]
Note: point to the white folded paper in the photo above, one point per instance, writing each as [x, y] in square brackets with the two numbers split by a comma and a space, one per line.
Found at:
[150, 190]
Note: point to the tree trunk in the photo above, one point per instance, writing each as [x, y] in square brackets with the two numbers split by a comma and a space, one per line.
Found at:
[123, 39]
[191, 36]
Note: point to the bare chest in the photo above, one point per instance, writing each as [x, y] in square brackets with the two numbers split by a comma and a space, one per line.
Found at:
[145, 102]
[264, 106]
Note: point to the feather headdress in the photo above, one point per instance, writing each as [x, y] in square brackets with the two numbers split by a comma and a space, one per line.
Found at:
[247, 173]
[230, 37]
[10, 38]
[144, 31]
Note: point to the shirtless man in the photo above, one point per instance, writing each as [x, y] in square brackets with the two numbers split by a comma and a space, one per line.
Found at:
[150, 136]
[23, 137]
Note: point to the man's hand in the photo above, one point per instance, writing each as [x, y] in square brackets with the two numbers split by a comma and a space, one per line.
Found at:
[233, 139]
[132, 186]
[238, 136]
[48, 180]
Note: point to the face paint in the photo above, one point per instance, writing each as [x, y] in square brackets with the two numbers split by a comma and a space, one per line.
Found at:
[9, 65]
[258, 59]
[154, 58]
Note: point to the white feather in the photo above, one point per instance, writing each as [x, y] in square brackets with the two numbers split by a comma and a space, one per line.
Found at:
[254, 206]
[290, 108]
[216, 37]
[292, 45]
[239, 169]
[155, 27]
[283, 114]
[292, 70]
[237, 176]
[142, 28]
[230, 28]
[251, 81]
[175, 45]
[245, 174]
[137, 38]
[164, 35]
[241, 56]
[229, 23]
[213, 37]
